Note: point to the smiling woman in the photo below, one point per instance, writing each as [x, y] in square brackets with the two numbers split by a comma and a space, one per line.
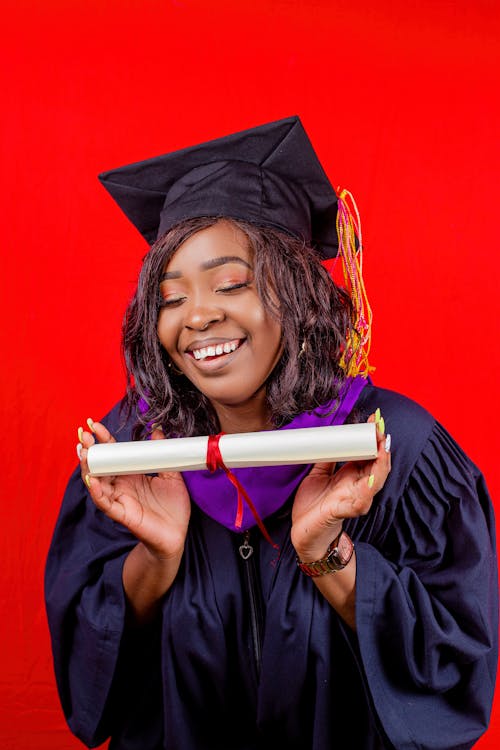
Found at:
[297, 298]
[175, 624]
[210, 300]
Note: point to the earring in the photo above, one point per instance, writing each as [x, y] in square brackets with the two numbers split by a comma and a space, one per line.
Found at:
[173, 369]
[302, 349]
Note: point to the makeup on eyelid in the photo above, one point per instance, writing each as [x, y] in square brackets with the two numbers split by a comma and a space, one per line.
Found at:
[232, 283]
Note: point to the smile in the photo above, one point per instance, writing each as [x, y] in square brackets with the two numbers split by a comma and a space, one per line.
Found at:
[216, 350]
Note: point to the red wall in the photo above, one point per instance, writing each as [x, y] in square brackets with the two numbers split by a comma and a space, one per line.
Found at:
[400, 99]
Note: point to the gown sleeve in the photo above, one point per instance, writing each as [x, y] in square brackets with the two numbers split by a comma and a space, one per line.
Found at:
[86, 606]
[426, 588]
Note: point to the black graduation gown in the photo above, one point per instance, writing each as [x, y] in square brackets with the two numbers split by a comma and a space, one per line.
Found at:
[248, 655]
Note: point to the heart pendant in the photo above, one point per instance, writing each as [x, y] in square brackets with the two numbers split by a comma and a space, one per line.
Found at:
[246, 551]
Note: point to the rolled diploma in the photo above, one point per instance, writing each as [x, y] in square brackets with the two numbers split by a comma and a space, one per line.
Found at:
[352, 442]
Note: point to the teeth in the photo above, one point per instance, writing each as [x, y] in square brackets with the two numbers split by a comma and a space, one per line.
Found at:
[213, 351]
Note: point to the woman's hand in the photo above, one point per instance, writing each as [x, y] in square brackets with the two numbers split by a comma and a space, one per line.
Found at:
[156, 509]
[325, 498]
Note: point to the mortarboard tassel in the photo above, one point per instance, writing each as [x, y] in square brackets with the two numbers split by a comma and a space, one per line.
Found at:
[355, 357]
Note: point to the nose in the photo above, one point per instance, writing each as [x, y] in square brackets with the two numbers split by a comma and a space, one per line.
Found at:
[200, 316]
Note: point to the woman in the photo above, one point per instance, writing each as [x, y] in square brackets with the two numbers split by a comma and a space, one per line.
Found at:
[176, 623]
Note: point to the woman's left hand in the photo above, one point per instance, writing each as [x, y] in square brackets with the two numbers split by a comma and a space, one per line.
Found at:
[326, 497]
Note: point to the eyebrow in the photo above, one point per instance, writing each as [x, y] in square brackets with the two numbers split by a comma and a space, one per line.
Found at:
[207, 265]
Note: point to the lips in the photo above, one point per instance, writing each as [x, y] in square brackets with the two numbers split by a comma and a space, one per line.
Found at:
[212, 349]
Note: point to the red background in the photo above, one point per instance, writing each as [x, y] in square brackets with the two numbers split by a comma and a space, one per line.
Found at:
[400, 100]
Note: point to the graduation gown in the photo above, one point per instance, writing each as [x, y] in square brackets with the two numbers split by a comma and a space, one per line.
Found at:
[248, 655]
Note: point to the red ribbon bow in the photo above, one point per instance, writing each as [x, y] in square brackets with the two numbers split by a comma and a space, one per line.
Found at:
[214, 462]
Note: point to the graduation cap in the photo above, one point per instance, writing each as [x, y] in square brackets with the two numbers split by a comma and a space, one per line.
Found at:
[268, 175]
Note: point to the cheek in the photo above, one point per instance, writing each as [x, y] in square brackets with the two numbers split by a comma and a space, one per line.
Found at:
[257, 316]
[164, 331]
[269, 324]
[274, 331]
[270, 335]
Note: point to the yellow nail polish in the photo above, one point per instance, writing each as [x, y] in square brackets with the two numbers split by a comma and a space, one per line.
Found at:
[381, 426]
[80, 434]
[90, 423]
[87, 480]
[377, 415]
[371, 480]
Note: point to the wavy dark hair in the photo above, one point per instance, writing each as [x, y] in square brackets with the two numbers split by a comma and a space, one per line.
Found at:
[315, 317]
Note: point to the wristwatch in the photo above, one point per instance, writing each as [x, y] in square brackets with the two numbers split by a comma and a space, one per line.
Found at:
[337, 556]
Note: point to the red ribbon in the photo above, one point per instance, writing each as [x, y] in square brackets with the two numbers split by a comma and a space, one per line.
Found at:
[214, 462]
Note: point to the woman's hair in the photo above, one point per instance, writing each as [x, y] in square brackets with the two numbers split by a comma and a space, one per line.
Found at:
[315, 317]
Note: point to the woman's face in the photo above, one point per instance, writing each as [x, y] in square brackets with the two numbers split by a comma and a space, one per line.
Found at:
[212, 323]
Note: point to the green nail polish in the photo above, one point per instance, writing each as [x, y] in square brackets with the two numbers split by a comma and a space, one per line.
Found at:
[381, 426]
[371, 480]
[377, 415]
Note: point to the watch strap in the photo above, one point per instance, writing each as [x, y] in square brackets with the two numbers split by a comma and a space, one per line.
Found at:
[337, 556]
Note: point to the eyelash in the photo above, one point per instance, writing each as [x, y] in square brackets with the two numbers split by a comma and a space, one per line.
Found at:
[233, 287]
[179, 300]
[170, 302]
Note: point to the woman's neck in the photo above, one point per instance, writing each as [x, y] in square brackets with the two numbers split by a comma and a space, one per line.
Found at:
[252, 416]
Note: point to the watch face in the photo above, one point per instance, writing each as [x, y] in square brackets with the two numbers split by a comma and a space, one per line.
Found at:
[342, 553]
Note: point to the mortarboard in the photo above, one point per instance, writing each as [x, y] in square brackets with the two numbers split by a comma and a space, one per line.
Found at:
[268, 175]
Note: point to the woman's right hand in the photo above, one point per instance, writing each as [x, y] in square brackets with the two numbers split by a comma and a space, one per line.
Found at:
[156, 509]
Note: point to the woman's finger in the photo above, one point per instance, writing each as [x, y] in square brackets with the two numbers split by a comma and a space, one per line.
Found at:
[85, 437]
[101, 432]
[96, 430]
[86, 440]
[378, 470]
[157, 434]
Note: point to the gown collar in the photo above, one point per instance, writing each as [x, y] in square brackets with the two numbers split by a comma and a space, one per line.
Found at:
[269, 487]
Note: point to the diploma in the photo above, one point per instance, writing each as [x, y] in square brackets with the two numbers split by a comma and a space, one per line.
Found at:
[351, 442]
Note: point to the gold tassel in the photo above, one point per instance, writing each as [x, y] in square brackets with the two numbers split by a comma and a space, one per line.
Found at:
[358, 340]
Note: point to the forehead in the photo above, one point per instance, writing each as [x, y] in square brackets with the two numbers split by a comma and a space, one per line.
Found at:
[221, 240]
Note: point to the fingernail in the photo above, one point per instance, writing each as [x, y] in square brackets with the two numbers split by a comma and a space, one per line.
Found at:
[371, 480]
[381, 426]
[80, 434]
[90, 424]
[87, 480]
[377, 415]
[387, 444]
[79, 448]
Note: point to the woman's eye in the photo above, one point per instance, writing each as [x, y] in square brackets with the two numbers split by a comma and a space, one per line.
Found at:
[233, 287]
[171, 301]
